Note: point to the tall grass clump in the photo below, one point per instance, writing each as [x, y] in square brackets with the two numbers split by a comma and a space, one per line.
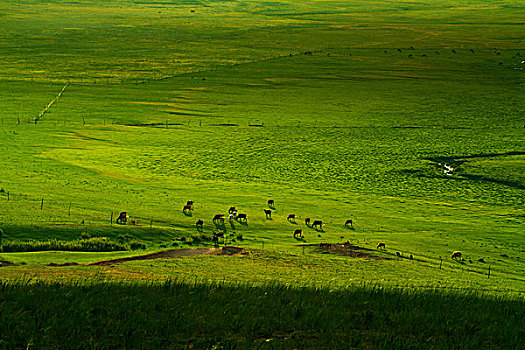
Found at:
[178, 315]
[99, 244]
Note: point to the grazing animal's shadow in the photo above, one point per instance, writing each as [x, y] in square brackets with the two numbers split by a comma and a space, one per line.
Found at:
[220, 226]
[349, 227]
[232, 225]
[187, 213]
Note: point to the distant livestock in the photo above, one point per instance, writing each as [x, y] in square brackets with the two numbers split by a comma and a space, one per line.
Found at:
[381, 245]
[298, 232]
[349, 222]
[271, 203]
[186, 207]
[242, 217]
[199, 224]
[189, 203]
[291, 217]
[307, 221]
[219, 218]
[231, 210]
[122, 218]
[457, 255]
[268, 213]
[317, 223]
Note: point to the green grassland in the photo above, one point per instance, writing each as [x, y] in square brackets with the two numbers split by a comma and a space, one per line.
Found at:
[217, 102]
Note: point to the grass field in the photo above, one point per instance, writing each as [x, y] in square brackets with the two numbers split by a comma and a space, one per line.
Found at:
[335, 110]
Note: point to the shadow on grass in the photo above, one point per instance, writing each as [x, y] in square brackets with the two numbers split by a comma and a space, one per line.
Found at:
[357, 317]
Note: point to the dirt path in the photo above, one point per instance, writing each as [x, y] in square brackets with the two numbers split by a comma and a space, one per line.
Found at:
[173, 253]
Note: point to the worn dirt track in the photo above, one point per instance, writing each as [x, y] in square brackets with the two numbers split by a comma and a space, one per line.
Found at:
[173, 253]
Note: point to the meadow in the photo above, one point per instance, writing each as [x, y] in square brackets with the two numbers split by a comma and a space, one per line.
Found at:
[335, 110]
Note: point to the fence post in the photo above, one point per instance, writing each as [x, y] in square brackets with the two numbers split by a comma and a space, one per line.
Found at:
[42, 204]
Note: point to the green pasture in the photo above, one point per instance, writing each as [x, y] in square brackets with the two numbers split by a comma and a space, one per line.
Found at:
[217, 102]
[172, 315]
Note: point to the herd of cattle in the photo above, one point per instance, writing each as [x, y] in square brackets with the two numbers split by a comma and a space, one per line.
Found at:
[233, 215]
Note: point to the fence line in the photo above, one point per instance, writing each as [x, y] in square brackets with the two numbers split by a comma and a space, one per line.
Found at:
[42, 112]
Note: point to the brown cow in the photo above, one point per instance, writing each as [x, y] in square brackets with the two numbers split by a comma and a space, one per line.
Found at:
[219, 218]
[242, 217]
[318, 223]
[457, 255]
[298, 232]
[186, 207]
[307, 221]
[199, 224]
[349, 221]
[122, 218]
[381, 245]
[268, 213]
[271, 203]
[291, 217]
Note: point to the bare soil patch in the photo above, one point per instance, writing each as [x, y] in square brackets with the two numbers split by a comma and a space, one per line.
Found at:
[347, 249]
[7, 263]
[174, 253]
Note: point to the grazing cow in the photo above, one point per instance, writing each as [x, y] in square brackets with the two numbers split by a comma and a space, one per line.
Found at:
[271, 203]
[189, 203]
[410, 56]
[454, 51]
[199, 224]
[398, 50]
[298, 232]
[268, 213]
[291, 217]
[398, 254]
[122, 218]
[307, 221]
[242, 217]
[457, 255]
[231, 210]
[349, 221]
[381, 245]
[317, 223]
[219, 218]
[186, 207]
